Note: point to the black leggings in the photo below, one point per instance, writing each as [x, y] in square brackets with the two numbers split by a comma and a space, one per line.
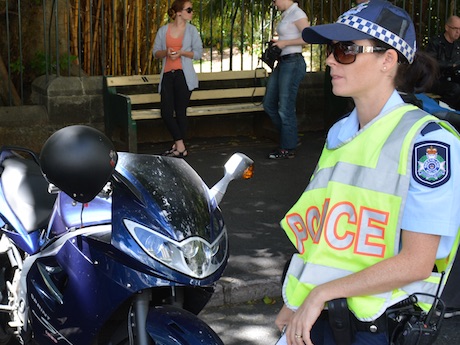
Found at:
[175, 97]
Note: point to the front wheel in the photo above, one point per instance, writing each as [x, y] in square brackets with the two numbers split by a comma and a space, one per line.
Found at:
[169, 325]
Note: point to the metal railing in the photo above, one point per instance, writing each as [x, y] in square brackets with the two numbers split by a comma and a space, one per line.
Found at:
[115, 37]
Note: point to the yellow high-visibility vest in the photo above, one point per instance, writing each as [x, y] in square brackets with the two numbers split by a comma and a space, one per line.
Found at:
[349, 216]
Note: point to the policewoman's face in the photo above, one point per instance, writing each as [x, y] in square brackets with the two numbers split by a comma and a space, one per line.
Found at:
[356, 78]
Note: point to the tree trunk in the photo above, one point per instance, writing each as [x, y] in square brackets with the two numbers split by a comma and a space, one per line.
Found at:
[5, 88]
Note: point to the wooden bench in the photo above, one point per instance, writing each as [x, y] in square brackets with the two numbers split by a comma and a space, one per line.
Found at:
[129, 99]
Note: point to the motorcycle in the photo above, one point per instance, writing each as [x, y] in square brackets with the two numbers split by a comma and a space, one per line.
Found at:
[105, 247]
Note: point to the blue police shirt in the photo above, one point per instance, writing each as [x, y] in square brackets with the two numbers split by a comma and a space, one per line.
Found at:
[433, 203]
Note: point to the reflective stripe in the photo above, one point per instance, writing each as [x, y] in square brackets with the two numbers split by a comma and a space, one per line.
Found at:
[374, 178]
[317, 274]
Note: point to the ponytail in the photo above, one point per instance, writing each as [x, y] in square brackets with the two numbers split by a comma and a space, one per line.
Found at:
[419, 76]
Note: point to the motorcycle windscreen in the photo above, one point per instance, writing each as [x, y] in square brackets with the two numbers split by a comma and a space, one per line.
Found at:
[173, 193]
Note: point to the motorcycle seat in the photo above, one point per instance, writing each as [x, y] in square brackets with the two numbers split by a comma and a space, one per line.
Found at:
[26, 192]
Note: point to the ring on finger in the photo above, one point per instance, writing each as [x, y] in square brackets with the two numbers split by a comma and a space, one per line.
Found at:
[297, 335]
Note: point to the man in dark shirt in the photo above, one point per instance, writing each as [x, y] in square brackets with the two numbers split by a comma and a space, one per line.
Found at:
[446, 49]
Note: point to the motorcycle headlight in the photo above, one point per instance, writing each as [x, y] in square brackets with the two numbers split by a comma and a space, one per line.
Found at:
[193, 256]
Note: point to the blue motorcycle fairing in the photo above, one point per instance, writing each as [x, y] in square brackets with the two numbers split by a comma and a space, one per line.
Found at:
[73, 215]
[77, 283]
[168, 325]
[175, 198]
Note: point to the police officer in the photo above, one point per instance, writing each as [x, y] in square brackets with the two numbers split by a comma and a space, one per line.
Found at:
[380, 210]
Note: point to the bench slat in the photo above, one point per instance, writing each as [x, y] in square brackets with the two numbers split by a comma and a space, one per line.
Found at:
[151, 114]
[224, 109]
[153, 79]
[198, 95]
[230, 75]
[145, 98]
[228, 93]
[132, 80]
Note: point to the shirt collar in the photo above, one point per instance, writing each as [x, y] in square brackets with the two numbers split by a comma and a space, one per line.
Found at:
[346, 129]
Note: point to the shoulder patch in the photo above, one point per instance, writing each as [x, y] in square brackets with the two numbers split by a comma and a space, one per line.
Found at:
[431, 163]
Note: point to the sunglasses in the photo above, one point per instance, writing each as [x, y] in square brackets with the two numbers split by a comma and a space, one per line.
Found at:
[345, 52]
[188, 9]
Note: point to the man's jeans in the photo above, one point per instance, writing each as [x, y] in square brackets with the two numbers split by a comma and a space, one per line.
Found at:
[281, 96]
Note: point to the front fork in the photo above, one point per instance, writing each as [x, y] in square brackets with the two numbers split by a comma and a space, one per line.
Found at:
[141, 306]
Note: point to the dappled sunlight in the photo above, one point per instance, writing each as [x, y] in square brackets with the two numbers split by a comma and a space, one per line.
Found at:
[261, 266]
[245, 324]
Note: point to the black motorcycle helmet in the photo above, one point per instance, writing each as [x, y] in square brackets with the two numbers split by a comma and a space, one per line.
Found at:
[79, 160]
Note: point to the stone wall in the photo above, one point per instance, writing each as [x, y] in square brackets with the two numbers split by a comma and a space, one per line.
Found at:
[63, 101]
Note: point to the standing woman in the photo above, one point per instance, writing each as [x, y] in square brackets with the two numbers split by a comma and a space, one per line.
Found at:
[178, 44]
[281, 95]
[380, 217]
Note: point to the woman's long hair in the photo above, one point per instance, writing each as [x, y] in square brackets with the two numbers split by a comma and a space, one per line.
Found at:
[417, 77]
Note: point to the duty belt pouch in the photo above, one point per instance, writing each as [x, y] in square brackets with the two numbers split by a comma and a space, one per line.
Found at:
[340, 321]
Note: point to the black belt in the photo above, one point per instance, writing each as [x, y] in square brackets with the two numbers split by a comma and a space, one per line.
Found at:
[289, 56]
[379, 325]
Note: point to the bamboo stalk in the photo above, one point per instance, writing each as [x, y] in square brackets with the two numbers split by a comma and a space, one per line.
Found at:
[129, 38]
[118, 44]
[109, 36]
[148, 66]
[96, 34]
[138, 37]
[86, 37]
[74, 29]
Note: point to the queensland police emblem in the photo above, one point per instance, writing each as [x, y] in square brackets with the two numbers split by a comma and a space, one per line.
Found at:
[431, 163]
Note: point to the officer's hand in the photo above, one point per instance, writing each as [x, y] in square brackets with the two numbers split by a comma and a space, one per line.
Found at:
[299, 328]
[283, 318]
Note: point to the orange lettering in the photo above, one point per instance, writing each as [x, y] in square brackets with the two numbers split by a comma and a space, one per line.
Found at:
[333, 237]
[368, 229]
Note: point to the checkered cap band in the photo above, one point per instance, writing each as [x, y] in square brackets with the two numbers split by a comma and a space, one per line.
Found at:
[380, 33]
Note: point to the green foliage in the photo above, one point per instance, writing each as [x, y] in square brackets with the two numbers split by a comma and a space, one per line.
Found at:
[39, 65]
[16, 66]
